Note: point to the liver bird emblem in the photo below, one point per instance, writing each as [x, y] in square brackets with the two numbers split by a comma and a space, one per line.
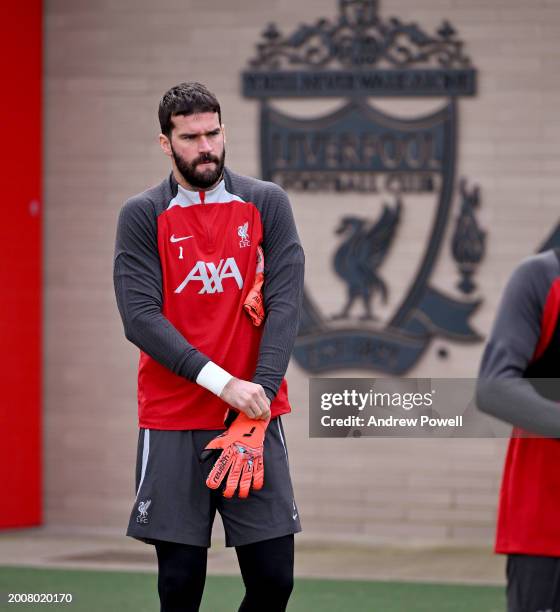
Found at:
[143, 508]
[358, 258]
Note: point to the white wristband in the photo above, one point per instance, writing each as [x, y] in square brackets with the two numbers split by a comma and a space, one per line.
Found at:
[213, 378]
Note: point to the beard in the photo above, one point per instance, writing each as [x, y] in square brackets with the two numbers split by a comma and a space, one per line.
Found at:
[201, 179]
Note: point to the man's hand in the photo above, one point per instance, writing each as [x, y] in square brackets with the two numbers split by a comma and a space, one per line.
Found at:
[247, 397]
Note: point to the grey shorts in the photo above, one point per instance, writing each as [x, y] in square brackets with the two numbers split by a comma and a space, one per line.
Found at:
[174, 504]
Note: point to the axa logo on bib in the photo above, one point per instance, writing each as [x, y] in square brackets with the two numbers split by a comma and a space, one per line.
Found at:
[212, 276]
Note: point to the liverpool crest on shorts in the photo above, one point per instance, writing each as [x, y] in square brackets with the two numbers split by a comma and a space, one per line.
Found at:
[143, 507]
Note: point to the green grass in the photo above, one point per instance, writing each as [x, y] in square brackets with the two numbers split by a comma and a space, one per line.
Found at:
[102, 591]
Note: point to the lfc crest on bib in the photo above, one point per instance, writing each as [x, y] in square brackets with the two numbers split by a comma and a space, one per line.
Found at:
[359, 123]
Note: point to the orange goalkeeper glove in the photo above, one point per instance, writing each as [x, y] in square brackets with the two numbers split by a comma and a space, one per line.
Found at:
[253, 304]
[242, 456]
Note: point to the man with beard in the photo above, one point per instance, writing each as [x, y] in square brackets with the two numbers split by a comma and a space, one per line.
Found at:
[185, 266]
